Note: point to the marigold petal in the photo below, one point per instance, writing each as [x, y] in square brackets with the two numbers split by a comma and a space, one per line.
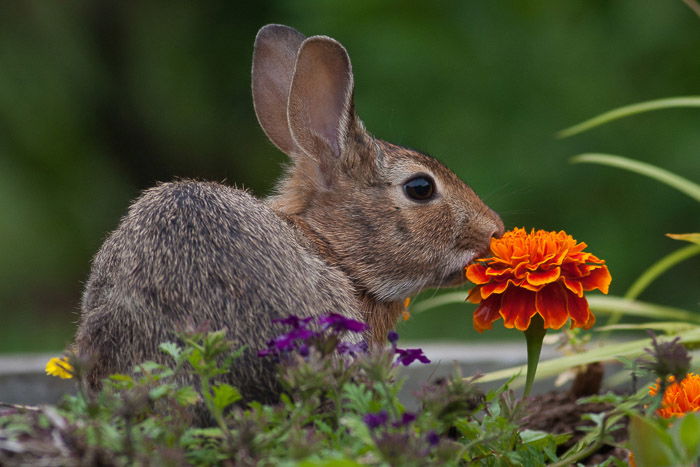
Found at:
[486, 313]
[517, 308]
[474, 295]
[495, 287]
[551, 305]
[599, 278]
[477, 274]
[581, 316]
[543, 277]
[573, 285]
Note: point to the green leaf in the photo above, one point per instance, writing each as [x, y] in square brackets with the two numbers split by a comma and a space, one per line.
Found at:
[626, 111]
[330, 463]
[186, 395]
[225, 395]
[668, 327]
[676, 181]
[148, 367]
[160, 391]
[555, 366]
[688, 237]
[171, 349]
[624, 306]
[439, 300]
[686, 433]
[650, 444]
[121, 378]
[357, 428]
[658, 268]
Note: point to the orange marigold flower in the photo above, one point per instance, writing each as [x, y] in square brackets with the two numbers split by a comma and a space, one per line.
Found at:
[679, 398]
[538, 272]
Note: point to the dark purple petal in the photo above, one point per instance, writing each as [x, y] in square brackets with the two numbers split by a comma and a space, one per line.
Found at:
[352, 349]
[408, 356]
[340, 323]
[406, 419]
[374, 420]
[433, 438]
[304, 350]
[393, 337]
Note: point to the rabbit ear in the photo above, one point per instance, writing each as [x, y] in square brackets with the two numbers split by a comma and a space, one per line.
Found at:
[320, 108]
[274, 56]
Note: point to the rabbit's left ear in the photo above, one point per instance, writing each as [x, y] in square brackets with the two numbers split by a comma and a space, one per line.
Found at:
[320, 108]
[274, 57]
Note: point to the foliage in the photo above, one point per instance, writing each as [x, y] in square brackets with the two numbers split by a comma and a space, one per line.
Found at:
[338, 409]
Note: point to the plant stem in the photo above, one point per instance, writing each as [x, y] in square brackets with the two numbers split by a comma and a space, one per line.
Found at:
[534, 335]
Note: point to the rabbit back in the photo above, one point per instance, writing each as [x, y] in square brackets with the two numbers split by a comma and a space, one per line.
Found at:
[192, 253]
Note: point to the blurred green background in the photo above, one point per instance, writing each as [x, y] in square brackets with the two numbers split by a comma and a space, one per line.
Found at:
[101, 99]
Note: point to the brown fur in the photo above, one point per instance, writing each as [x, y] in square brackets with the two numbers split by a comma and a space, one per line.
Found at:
[339, 235]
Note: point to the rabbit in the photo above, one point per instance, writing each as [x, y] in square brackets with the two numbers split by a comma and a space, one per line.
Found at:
[355, 226]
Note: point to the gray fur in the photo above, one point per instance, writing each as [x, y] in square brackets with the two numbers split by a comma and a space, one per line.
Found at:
[184, 255]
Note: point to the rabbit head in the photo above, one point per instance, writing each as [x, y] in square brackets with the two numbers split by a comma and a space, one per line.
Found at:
[394, 220]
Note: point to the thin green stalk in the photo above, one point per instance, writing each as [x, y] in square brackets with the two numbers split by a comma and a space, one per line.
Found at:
[657, 173]
[534, 335]
[626, 111]
[654, 271]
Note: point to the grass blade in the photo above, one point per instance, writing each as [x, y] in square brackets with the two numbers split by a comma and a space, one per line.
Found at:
[630, 350]
[625, 306]
[658, 268]
[689, 237]
[439, 300]
[628, 110]
[676, 181]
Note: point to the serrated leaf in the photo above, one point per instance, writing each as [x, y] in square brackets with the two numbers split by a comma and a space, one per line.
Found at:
[160, 391]
[687, 237]
[148, 367]
[205, 432]
[121, 377]
[225, 395]
[357, 428]
[171, 349]
[330, 463]
[187, 396]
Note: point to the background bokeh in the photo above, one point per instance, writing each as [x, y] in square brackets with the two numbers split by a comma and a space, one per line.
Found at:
[101, 99]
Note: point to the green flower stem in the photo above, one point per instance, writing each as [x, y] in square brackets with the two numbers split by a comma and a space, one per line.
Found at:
[534, 335]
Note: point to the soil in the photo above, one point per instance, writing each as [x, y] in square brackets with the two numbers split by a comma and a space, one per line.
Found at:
[558, 412]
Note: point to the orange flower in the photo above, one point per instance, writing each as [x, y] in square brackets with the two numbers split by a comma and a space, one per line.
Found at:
[540, 272]
[679, 398]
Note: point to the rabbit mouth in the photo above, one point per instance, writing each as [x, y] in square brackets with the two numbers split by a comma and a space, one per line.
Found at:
[456, 274]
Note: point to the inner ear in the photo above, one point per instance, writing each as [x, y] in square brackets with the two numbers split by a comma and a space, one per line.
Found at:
[320, 99]
[274, 57]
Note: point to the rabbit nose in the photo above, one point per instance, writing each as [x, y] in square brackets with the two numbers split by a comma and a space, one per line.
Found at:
[499, 229]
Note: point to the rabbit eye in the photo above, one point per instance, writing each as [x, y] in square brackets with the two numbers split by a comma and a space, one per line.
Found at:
[419, 188]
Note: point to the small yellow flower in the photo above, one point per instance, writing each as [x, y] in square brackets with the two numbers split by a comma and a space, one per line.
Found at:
[59, 367]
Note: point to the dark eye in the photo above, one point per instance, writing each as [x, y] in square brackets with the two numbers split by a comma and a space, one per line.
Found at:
[419, 188]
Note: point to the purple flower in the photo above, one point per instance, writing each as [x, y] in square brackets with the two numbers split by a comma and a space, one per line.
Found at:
[340, 323]
[352, 349]
[393, 337]
[408, 356]
[433, 438]
[406, 419]
[375, 420]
